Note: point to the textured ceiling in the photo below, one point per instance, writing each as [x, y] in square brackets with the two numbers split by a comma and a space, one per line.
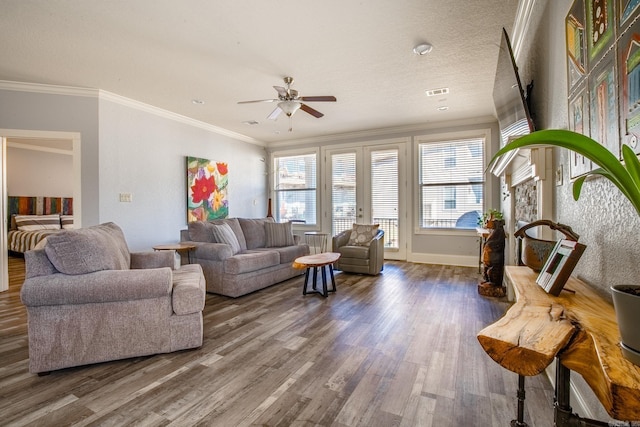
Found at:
[167, 53]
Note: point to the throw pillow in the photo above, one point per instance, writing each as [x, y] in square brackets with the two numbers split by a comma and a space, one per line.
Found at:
[362, 234]
[222, 233]
[38, 222]
[279, 234]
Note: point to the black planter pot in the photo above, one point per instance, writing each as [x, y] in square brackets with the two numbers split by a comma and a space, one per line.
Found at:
[627, 306]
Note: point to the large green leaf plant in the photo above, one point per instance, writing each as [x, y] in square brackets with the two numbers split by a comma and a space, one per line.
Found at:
[625, 176]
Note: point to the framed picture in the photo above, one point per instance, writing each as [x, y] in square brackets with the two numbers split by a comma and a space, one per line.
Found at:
[576, 44]
[559, 265]
[207, 183]
[603, 105]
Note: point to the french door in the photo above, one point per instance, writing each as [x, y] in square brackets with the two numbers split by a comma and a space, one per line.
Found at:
[365, 185]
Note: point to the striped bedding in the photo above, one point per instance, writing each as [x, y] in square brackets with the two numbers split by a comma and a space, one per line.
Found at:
[22, 241]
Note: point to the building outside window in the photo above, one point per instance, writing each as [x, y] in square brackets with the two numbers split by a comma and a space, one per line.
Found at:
[295, 188]
[451, 182]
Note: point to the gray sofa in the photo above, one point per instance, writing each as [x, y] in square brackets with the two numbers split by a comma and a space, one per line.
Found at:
[260, 259]
[89, 300]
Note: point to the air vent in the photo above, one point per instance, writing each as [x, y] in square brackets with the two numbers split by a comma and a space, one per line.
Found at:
[436, 92]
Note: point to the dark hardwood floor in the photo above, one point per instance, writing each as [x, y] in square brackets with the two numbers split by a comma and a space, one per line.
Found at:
[399, 349]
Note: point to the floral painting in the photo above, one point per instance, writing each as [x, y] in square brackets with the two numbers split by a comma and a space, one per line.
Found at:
[207, 183]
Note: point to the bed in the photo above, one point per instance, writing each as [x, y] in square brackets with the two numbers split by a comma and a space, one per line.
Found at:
[32, 219]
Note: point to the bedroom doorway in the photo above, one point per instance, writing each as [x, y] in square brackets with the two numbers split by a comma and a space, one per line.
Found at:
[42, 142]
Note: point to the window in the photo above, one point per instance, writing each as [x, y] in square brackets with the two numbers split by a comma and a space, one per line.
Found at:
[451, 182]
[295, 188]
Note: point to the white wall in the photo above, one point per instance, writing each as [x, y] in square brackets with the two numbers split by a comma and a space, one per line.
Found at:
[39, 173]
[145, 154]
[129, 149]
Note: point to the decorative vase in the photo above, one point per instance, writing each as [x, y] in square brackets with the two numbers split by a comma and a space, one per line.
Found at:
[269, 213]
[626, 301]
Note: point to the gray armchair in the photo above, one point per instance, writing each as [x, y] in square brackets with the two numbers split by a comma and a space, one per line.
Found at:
[90, 300]
[359, 259]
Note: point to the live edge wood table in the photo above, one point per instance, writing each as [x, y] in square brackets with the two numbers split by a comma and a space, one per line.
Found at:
[578, 328]
[323, 261]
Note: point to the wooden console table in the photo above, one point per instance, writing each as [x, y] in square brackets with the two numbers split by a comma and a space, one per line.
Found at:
[579, 329]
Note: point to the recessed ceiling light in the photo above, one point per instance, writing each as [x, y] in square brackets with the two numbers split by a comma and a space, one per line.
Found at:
[443, 108]
[422, 49]
[197, 101]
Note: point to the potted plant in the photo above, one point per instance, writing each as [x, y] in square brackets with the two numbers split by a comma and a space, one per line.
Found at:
[626, 176]
[490, 214]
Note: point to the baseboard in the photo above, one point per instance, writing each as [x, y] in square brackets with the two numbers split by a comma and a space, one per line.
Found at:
[444, 259]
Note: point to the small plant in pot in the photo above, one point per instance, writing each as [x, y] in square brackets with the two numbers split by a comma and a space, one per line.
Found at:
[626, 176]
[490, 214]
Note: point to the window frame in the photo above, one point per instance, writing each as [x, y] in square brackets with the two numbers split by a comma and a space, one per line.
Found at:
[485, 135]
[272, 182]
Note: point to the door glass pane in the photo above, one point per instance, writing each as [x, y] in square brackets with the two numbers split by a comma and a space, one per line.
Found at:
[343, 191]
[384, 194]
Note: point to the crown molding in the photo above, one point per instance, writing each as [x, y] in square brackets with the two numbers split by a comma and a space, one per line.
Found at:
[521, 25]
[48, 89]
[127, 102]
[382, 132]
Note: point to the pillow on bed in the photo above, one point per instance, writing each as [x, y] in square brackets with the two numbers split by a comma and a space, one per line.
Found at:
[38, 222]
[67, 222]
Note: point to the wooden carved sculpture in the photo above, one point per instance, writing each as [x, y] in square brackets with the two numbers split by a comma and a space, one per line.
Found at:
[493, 260]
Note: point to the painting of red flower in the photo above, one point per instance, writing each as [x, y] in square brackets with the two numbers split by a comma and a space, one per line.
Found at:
[207, 183]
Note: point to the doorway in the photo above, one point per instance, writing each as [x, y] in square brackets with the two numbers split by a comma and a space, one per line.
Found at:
[43, 141]
[366, 184]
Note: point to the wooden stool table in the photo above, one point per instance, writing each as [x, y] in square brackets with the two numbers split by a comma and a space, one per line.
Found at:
[318, 261]
[178, 247]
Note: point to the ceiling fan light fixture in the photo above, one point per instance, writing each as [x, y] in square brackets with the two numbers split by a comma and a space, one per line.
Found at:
[422, 49]
[289, 107]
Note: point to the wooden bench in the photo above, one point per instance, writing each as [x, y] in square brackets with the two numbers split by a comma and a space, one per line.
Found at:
[579, 329]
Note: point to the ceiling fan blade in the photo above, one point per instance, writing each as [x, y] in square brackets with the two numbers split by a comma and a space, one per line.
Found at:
[318, 98]
[259, 100]
[311, 111]
[274, 114]
[281, 91]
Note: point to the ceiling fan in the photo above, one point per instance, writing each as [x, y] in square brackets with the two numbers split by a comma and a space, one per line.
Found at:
[289, 102]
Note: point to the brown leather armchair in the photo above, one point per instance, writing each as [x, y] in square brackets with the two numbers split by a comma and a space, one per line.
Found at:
[359, 259]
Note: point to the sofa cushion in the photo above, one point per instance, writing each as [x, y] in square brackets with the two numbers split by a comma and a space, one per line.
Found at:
[101, 247]
[251, 261]
[288, 254]
[188, 290]
[359, 252]
[278, 234]
[201, 231]
[254, 231]
[223, 234]
[362, 234]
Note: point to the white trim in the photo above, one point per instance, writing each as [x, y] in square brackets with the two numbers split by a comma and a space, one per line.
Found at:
[444, 259]
[131, 103]
[48, 89]
[22, 146]
[4, 227]
[118, 99]
[521, 26]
